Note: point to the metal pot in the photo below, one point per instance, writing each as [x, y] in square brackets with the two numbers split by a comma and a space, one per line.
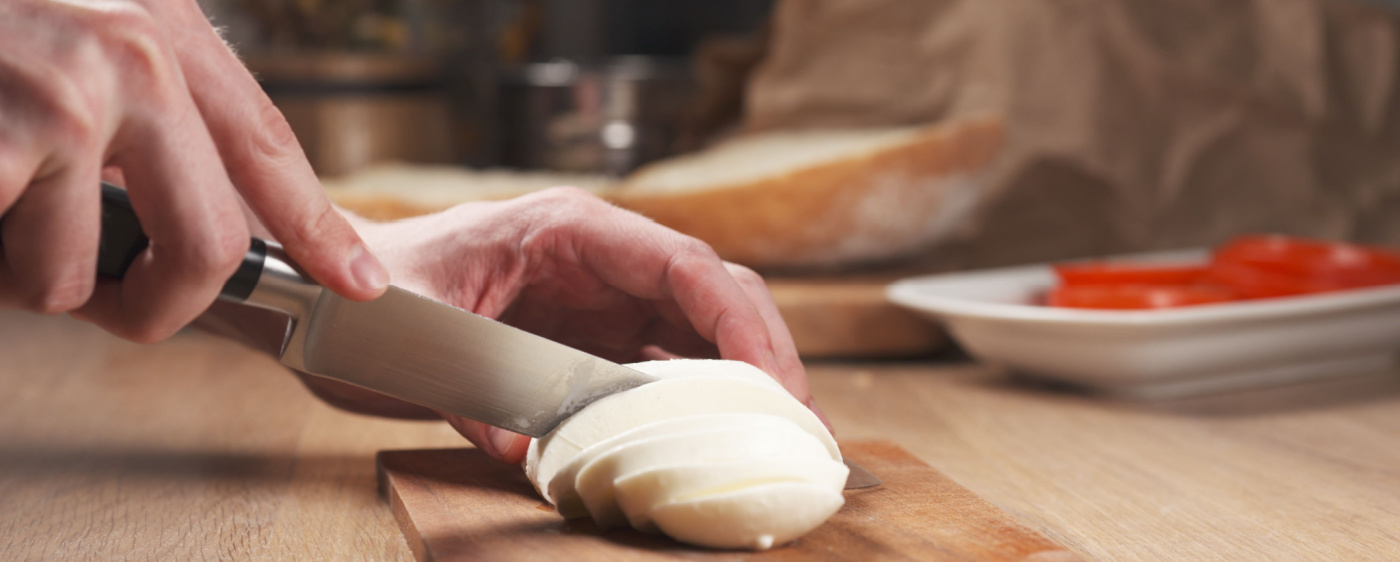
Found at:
[608, 117]
[352, 110]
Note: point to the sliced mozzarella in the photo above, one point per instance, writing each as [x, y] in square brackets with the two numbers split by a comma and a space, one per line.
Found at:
[638, 494]
[716, 454]
[731, 387]
[561, 487]
[757, 517]
[769, 439]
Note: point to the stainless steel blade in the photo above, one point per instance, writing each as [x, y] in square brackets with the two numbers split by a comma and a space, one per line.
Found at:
[429, 353]
[859, 477]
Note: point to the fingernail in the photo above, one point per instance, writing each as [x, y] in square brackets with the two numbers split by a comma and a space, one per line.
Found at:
[812, 405]
[501, 441]
[368, 271]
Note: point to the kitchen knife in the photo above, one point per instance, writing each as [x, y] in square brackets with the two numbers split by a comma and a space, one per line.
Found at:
[400, 344]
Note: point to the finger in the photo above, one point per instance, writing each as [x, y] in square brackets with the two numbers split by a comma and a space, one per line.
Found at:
[20, 160]
[675, 334]
[191, 214]
[19, 163]
[662, 264]
[655, 353]
[650, 261]
[791, 372]
[50, 237]
[617, 333]
[269, 169]
[498, 443]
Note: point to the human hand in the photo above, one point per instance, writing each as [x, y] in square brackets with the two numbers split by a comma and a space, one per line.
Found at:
[568, 266]
[149, 91]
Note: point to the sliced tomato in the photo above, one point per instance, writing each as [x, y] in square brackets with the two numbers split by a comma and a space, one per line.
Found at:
[1118, 273]
[1137, 297]
[1256, 283]
[1272, 265]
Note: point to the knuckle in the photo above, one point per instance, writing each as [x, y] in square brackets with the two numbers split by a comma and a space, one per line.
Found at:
[72, 114]
[690, 257]
[745, 276]
[134, 40]
[216, 257]
[73, 122]
[569, 198]
[272, 137]
[554, 214]
[694, 249]
[228, 251]
[319, 228]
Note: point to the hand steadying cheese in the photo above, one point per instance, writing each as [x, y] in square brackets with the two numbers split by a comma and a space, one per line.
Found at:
[568, 266]
[714, 454]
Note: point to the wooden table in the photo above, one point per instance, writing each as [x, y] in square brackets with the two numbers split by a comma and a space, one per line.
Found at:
[197, 448]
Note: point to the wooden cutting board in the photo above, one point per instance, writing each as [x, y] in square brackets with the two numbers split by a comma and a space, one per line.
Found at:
[457, 504]
[851, 318]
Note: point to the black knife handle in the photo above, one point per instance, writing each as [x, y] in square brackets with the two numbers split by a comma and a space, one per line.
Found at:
[123, 241]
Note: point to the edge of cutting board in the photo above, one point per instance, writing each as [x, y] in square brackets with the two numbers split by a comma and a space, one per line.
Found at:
[851, 318]
[458, 504]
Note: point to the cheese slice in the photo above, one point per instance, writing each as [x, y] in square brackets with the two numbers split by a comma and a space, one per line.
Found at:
[687, 388]
[765, 440]
[562, 489]
[757, 517]
[716, 454]
[641, 493]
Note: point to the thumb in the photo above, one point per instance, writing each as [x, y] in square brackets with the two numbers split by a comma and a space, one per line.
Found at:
[498, 443]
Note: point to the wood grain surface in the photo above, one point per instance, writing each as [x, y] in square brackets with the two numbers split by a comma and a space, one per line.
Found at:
[851, 318]
[198, 449]
[458, 505]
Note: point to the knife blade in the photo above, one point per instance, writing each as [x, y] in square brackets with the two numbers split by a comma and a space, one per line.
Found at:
[423, 351]
[401, 344]
[859, 477]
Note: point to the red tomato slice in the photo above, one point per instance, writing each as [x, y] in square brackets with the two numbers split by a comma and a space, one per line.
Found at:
[1268, 266]
[1257, 283]
[1308, 257]
[1137, 297]
[1110, 273]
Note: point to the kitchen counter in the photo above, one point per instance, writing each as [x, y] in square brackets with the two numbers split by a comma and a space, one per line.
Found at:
[198, 448]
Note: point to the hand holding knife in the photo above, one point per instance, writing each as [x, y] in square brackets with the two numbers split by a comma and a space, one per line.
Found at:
[401, 344]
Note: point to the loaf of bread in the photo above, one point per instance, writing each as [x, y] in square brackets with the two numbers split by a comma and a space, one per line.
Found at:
[820, 198]
[780, 199]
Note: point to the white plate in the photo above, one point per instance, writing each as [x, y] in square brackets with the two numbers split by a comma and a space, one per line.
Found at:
[1165, 353]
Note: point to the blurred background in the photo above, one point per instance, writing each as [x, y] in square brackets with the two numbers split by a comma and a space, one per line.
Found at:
[846, 143]
[570, 85]
[857, 135]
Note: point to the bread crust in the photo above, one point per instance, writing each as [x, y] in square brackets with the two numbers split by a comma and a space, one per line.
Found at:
[868, 207]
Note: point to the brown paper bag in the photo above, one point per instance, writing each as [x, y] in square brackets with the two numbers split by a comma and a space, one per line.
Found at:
[1132, 124]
